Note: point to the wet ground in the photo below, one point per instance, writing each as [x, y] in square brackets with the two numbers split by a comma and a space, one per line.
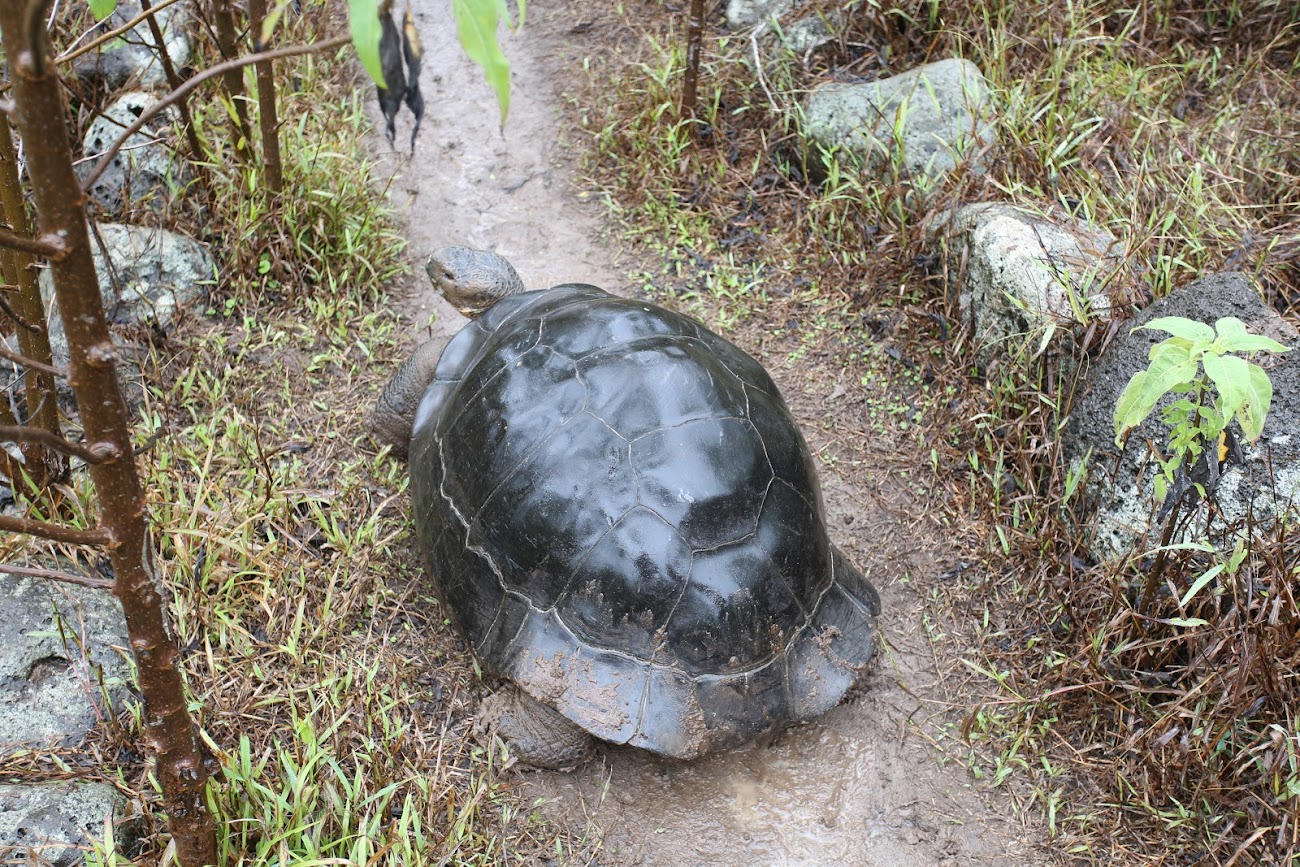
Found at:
[866, 785]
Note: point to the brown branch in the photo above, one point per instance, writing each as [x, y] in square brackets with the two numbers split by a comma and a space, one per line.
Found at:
[224, 19]
[28, 311]
[34, 31]
[694, 36]
[60, 207]
[49, 248]
[206, 75]
[198, 153]
[92, 454]
[67, 577]
[270, 127]
[55, 532]
[104, 39]
[18, 320]
[31, 363]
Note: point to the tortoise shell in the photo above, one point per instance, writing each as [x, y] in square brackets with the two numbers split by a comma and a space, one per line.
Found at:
[624, 519]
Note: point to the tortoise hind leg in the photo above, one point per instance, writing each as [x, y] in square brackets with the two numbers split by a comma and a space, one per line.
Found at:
[538, 735]
[394, 415]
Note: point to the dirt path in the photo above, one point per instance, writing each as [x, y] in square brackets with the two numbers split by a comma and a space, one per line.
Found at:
[862, 786]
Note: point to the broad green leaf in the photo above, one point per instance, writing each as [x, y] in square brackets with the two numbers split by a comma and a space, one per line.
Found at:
[1171, 367]
[1188, 329]
[476, 25]
[1167, 343]
[1229, 326]
[1199, 584]
[1231, 377]
[363, 20]
[1233, 337]
[1126, 414]
[1259, 395]
[101, 9]
[1250, 343]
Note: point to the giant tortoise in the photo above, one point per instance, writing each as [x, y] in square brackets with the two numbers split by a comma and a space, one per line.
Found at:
[623, 520]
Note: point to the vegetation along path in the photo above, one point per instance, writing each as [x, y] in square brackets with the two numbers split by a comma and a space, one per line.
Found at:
[879, 780]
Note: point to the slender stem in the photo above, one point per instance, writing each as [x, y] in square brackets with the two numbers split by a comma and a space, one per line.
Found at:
[33, 336]
[694, 35]
[224, 19]
[32, 363]
[266, 105]
[92, 454]
[55, 532]
[67, 577]
[198, 153]
[206, 75]
[40, 246]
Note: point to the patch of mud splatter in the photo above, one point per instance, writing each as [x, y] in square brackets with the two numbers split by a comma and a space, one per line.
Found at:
[864, 785]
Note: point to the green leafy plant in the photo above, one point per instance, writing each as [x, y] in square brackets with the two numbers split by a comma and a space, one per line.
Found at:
[1188, 363]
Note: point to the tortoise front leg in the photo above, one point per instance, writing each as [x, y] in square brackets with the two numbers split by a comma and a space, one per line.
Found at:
[394, 414]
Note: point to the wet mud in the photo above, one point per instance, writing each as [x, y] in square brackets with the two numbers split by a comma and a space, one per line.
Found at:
[866, 784]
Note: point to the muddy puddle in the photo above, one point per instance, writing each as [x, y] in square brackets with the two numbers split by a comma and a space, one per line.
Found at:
[865, 785]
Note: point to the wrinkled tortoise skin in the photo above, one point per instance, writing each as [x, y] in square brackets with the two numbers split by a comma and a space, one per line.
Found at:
[624, 519]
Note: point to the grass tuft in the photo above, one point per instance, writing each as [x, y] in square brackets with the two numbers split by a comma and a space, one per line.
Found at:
[1144, 737]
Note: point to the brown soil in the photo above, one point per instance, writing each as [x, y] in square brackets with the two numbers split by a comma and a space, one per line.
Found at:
[870, 783]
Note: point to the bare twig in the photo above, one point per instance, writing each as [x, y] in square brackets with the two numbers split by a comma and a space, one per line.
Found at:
[55, 532]
[56, 575]
[31, 363]
[18, 319]
[50, 248]
[92, 454]
[206, 75]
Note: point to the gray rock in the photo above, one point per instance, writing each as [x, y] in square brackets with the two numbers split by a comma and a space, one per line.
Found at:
[62, 667]
[807, 34]
[55, 822]
[747, 13]
[1020, 273]
[147, 171]
[147, 276]
[1123, 494]
[133, 57]
[931, 118]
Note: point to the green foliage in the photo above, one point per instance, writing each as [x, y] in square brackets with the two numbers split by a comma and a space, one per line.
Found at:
[1187, 363]
[476, 27]
[363, 21]
[101, 9]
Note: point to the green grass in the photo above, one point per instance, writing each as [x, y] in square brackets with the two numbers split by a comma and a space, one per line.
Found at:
[1176, 127]
[334, 701]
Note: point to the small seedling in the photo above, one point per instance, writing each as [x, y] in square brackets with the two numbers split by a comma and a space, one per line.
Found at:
[1187, 363]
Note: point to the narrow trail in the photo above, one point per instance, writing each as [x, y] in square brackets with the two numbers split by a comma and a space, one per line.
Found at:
[864, 786]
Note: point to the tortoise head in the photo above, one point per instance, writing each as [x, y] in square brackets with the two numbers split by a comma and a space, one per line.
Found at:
[472, 280]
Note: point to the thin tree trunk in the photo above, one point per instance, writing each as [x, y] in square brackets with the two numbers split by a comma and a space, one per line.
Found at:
[92, 373]
[266, 110]
[224, 18]
[690, 81]
[32, 332]
[198, 153]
